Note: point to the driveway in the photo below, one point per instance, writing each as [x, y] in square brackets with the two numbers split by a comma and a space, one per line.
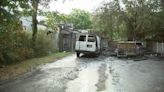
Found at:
[92, 74]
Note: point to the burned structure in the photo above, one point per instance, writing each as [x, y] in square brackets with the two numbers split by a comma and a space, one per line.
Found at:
[67, 37]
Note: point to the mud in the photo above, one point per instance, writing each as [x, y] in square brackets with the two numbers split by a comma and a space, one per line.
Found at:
[102, 78]
[92, 74]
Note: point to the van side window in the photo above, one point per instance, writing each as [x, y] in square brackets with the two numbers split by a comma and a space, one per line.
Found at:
[82, 38]
[91, 38]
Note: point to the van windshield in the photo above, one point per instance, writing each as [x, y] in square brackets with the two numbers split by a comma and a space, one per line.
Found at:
[91, 38]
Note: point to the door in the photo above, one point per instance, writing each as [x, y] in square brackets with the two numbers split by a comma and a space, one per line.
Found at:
[91, 43]
[82, 43]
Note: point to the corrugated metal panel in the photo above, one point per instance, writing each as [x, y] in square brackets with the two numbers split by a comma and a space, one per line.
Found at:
[159, 47]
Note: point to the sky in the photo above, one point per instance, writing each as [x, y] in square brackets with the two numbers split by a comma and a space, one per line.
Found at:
[67, 6]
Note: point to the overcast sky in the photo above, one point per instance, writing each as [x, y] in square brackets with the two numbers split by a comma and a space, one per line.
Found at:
[68, 5]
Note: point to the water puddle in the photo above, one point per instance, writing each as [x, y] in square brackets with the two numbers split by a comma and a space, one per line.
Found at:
[69, 61]
[108, 84]
[85, 82]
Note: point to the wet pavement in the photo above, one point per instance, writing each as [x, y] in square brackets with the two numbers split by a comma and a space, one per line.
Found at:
[92, 74]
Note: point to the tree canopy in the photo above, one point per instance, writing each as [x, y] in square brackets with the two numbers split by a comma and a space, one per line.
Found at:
[81, 19]
[130, 19]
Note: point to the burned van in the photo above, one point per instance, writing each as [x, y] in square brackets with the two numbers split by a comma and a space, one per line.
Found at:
[129, 48]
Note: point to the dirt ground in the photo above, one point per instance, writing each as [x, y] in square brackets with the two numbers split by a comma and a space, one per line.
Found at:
[92, 74]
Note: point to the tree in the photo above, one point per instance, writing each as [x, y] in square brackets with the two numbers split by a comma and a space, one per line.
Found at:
[140, 19]
[34, 20]
[107, 20]
[12, 10]
[15, 44]
[55, 18]
[80, 19]
[9, 14]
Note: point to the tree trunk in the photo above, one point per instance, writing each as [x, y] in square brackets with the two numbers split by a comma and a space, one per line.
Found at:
[34, 20]
[130, 33]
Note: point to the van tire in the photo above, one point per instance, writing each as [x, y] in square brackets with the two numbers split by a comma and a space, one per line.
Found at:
[77, 54]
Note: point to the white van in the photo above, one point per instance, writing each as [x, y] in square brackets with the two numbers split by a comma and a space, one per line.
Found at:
[87, 44]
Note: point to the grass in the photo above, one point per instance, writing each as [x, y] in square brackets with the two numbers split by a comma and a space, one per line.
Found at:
[12, 71]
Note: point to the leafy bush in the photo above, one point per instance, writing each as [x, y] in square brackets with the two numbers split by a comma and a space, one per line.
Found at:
[17, 46]
[45, 43]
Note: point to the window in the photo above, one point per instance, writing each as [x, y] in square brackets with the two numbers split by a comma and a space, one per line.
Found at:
[139, 44]
[91, 38]
[82, 38]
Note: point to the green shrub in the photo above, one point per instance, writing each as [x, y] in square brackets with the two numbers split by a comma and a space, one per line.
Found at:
[44, 43]
[17, 46]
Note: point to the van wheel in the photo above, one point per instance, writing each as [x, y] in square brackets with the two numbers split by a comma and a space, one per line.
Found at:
[78, 54]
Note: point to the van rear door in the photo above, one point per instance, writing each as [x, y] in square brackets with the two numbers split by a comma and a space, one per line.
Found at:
[86, 43]
[82, 43]
[91, 43]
